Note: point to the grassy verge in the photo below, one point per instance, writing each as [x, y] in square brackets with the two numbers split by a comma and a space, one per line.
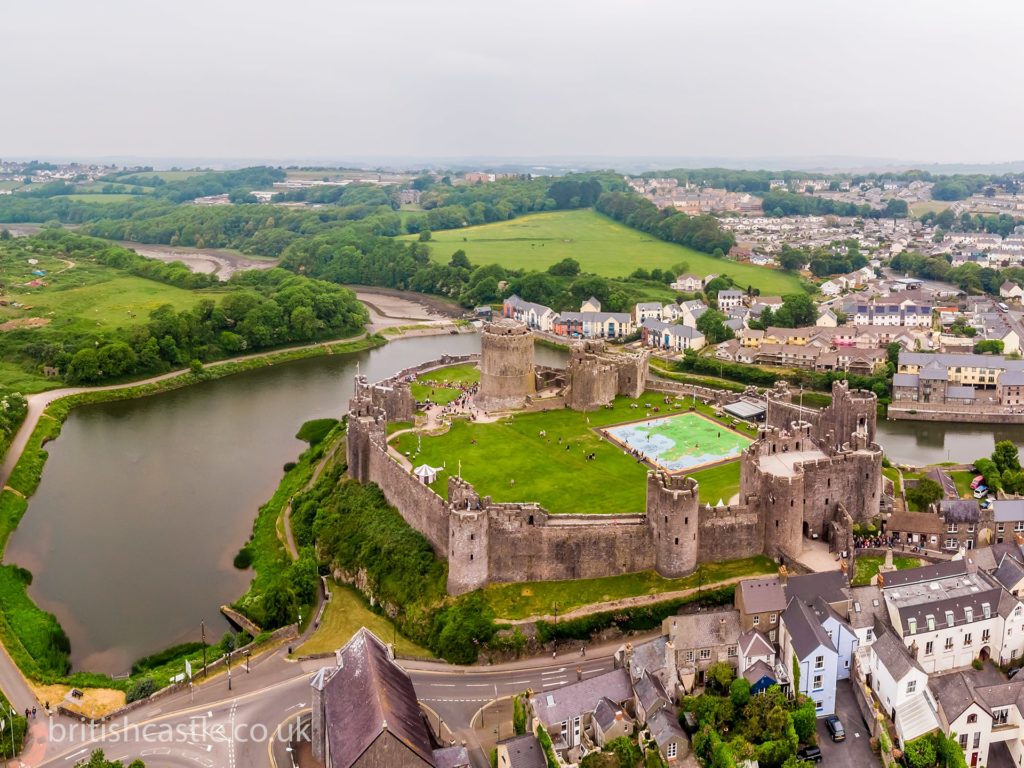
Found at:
[868, 565]
[346, 612]
[540, 598]
[893, 474]
[962, 478]
[442, 386]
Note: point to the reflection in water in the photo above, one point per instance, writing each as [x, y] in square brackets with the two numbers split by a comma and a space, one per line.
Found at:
[923, 442]
[143, 504]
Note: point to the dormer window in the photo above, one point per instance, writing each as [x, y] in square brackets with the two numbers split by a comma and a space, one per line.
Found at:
[931, 622]
[986, 610]
[911, 626]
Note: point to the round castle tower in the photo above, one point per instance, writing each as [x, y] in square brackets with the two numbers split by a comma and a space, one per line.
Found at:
[506, 366]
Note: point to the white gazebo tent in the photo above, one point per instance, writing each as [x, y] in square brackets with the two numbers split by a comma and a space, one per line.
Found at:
[426, 473]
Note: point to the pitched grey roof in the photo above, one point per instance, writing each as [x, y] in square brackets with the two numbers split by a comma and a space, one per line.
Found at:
[894, 655]
[1012, 378]
[753, 643]
[960, 510]
[930, 572]
[366, 695]
[806, 634]
[756, 671]
[648, 690]
[955, 693]
[947, 602]
[904, 380]
[832, 585]
[664, 727]
[1009, 573]
[1008, 510]
[960, 393]
[525, 752]
[608, 712]
[560, 704]
[866, 606]
[705, 629]
[763, 595]
[452, 757]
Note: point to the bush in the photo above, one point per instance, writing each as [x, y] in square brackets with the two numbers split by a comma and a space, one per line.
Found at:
[243, 560]
[147, 663]
[314, 431]
[141, 689]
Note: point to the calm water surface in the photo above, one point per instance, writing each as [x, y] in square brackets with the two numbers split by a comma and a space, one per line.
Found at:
[143, 504]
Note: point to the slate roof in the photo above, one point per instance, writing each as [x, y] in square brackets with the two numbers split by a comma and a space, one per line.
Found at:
[914, 522]
[894, 655]
[763, 595]
[452, 757]
[753, 643]
[561, 704]
[367, 694]
[1009, 573]
[758, 670]
[648, 690]
[607, 713]
[1008, 510]
[867, 606]
[904, 380]
[832, 585]
[806, 634]
[664, 727]
[946, 601]
[955, 693]
[1011, 378]
[960, 393]
[931, 572]
[705, 629]
[525, 752]
[960, 510]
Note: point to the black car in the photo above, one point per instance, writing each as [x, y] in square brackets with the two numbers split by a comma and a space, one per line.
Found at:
[810, 754]
[835, 728]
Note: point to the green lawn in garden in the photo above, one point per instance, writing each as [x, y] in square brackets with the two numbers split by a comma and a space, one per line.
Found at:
[599, 244]
[867, 566]
[963, 478]
[544, 598]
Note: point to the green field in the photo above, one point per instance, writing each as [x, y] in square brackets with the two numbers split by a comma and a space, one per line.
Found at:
[963, 478]
[545, 598]
[165, 175]
[599, 244]
[719, 483]
[345, 614]
[867, 566]
[510, 461]
[926, 206]
[430, 386]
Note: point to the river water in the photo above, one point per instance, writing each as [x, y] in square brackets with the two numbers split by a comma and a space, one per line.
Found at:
[144, 503]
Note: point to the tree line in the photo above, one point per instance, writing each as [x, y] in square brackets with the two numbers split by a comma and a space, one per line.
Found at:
[702, 233]
[782, 203]
[971, 278]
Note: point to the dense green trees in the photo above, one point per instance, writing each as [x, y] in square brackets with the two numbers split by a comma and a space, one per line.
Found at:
[98, 760]
[702, 233]
[925, 493]
[969, 277]
[797, 311]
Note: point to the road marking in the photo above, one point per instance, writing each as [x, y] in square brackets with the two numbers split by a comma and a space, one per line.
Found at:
[478, 685]
[79, 752]
[555, 683]
[558, 671]
[442, 685]
[519, 682]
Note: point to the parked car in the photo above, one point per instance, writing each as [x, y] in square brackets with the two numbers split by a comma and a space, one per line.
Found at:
[980, 491]
[810, 754]
[835, 728]
[977, 481]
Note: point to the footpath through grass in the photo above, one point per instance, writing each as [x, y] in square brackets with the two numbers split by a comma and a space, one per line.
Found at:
[546, 598]
[346, 612]
[600, 245]
[867, 566]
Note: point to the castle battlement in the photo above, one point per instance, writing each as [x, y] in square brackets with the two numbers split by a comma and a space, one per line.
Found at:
[808, 473]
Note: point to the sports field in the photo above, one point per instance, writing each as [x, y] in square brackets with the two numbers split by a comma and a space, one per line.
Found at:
[600, 245]
[682, 441]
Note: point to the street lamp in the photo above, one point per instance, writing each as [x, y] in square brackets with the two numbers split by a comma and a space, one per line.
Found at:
[248, 655]
[229, 670]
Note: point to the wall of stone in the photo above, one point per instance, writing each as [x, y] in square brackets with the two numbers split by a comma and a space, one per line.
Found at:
[727, 533]
[506, 366]
[672, 502]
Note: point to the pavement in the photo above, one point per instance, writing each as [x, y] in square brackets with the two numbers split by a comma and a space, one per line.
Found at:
[856, 751]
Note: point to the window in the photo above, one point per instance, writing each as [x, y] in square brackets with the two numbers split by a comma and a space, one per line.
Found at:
[1018, 610]
[972, 719]
[984, 635]
[949, 644]
[968, 615]
[732, 651]
[967, 639]
[689, 655]
[952, 544]
[819, 662]
[911, 686]
[818, 682]
[986, 610]
[1013, 654]
[1001, 527]
[1018, 526]
[670, 751]
[1000, 716]
[911, 626]
[870, 634]
[970, 528]
[963, 741]
[771, 635]
[952, 528]
[929, 648]
[705, 653]
[757, 619]
[773, 618]
[977, 739]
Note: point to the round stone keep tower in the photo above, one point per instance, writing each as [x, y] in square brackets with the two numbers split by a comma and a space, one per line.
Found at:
[506, 366]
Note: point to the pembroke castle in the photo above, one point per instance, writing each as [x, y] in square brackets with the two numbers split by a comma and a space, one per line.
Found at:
[809, 473]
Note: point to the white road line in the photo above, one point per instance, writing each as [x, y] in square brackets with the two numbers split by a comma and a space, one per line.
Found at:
[553, 672]
[442, 685]
[478, 685]
[518, 682]
[555, 683]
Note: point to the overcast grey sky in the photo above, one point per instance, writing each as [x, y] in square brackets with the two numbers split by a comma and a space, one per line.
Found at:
[924, 80]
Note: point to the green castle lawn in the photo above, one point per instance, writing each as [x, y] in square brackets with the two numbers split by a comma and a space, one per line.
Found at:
[561, 480]
[600, 245]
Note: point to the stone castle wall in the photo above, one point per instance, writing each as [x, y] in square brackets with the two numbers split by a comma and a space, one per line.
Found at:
[596, 375]
[487, 542]
[507, 375]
